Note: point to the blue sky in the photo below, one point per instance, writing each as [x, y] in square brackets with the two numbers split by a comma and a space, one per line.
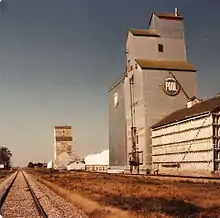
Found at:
[58, 58]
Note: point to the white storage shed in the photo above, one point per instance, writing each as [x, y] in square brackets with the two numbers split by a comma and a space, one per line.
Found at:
[76, 165]
[187, 141]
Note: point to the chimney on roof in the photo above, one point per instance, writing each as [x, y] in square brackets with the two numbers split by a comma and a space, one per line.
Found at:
[176, 13]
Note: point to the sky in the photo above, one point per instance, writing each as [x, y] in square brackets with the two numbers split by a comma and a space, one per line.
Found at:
[58, 58]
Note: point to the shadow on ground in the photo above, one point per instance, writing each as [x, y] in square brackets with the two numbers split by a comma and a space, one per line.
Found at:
[172, 207]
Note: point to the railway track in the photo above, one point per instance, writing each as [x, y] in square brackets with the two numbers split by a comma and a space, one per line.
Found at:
[19, 200]
[25, 197]
[199, 179]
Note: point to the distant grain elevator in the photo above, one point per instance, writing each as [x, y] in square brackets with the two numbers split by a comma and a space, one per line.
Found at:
[63, 146]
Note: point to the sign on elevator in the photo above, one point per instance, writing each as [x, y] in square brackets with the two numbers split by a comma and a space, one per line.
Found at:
[171, 86]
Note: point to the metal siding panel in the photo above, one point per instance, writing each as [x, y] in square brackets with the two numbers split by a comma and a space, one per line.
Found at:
[158, 104]
[130, 49]
[197, 151]
[170, 28]
[147, 48]
[117, 128]
[174, 49]
[153, 22]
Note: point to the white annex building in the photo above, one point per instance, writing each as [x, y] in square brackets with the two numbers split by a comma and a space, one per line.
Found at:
[97, 162]
[187, 141]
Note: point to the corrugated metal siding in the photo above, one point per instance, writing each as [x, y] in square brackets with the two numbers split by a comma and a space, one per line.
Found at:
[117, 128]
[127, 114]
[172, 38]
[158, 104]
[145, 47]
[168, 28]
[130, 49]
[188, 142]
[141, 47]
[174, 49]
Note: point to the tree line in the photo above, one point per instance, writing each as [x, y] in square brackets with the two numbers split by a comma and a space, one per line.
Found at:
[5, 157]
[32, 165]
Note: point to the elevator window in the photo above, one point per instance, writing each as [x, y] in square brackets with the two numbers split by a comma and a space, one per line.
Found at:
[160, 47]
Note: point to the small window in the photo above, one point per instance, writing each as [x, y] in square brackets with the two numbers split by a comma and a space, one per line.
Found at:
[160, 47]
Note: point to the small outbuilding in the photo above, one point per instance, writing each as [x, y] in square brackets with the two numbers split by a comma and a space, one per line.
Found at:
[76, 165]
[50, 165]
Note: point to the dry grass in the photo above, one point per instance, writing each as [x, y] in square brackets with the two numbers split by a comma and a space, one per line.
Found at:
[4, 174]
[103, 195]
[91, 208]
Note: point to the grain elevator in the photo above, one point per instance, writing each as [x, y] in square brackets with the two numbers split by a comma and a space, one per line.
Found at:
[157, 81]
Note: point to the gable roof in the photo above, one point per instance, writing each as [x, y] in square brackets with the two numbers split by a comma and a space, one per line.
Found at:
[76, 161]
[165, 65]
[209, 105]
[144, 32]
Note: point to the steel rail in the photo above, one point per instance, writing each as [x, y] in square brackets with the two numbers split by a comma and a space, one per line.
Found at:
[5, 193]
[36, 201]
[199, 179]
[190, 178]
[208, 178]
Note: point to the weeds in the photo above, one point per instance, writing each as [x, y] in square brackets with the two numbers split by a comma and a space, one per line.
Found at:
[138, 196]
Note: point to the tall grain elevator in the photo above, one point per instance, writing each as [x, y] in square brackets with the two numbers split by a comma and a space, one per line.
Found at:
[63, 146]
[158, 80]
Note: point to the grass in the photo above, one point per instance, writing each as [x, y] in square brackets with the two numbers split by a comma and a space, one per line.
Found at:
[4, 174]
[123, 196]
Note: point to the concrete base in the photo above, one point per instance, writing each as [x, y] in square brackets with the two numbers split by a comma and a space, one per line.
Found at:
[117, 169]
[126, 170]
[198, 173]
